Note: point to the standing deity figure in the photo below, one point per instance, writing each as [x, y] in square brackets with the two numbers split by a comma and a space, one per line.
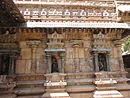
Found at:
[54, 65]
[102, 62]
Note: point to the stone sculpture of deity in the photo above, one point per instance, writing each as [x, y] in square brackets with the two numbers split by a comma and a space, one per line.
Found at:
[54, 65]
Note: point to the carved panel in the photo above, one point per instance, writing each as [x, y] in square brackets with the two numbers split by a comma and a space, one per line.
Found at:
[101, 42]
[30, 34]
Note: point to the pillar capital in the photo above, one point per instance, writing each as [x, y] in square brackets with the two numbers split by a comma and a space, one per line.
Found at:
[118, 43]
[33, 43]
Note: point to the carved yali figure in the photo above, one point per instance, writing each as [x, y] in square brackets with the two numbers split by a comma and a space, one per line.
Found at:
[54, 64]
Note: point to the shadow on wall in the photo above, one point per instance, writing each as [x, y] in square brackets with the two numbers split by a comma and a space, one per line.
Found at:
[126, 59]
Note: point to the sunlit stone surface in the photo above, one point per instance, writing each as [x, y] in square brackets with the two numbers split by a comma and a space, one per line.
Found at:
[65, 49]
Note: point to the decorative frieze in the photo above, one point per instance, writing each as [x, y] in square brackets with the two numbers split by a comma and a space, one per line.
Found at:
[72, 13]
[9, 45]
[30, 34]
[8, 38]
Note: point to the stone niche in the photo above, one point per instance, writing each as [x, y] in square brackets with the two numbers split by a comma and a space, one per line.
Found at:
[55, 53]
[101, 51]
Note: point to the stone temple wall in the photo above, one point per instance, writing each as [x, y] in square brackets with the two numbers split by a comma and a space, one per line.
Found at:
[77, 47]
[65, 62]
[66, 49]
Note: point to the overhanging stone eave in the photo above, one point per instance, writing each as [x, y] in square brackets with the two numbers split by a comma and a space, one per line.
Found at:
[75, 25]
[83, 4]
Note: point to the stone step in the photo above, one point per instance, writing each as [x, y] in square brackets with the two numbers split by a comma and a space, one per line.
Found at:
[105, 88]
[51, 84]
[28, 91]
[30, 82]
[56, 95]
[31, 96]
[118, 79]
[82, 88]
[123, 86]
[55, 90]
[7, 85]
[31, 77]
[80, 80]
[107, 94]
[8, 96]
[105, 82]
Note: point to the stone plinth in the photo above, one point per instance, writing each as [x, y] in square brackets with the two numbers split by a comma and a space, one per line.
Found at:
[60, 83]
[104, 82]
[106, 86]
[80, 82]
[6, 83]
[55, 86]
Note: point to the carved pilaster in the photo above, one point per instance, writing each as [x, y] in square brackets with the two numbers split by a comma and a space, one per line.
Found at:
[33, 45]
[120, 60]
[108, 61]
[62, 57]
[48, 63]
[12, 63]
[96, 61]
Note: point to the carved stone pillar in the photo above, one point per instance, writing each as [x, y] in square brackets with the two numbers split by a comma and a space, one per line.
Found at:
[62, 57]
[108, 61]
[121, 64]
[120, 60]
[12, 64]
[33, 45]
[96, 61]
[48, 62]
